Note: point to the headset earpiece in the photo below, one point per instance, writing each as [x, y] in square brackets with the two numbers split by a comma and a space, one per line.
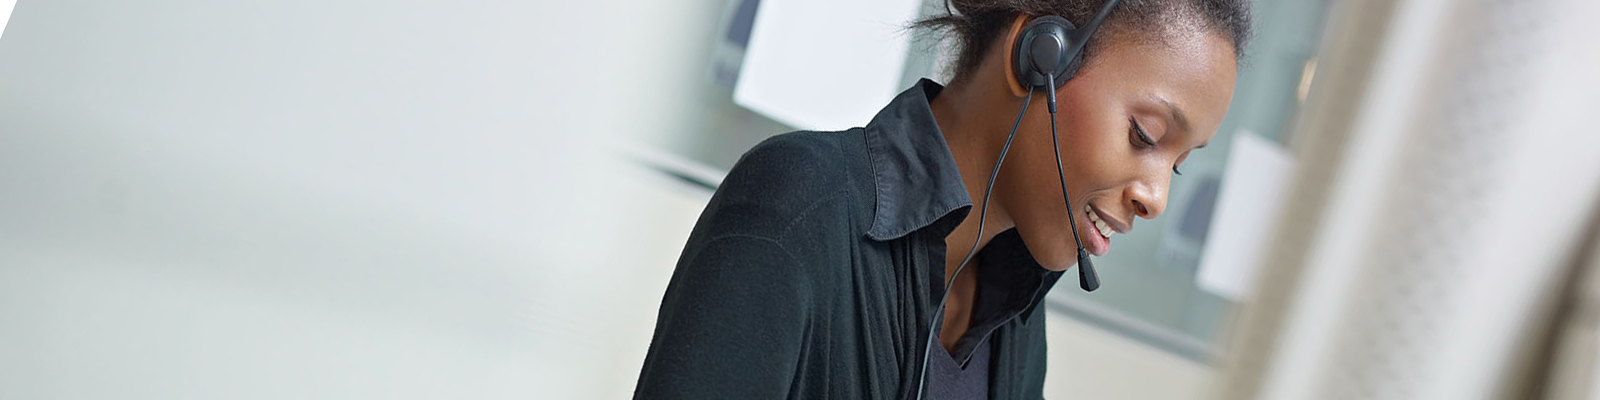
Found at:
[1046, 46]
[1052, 45]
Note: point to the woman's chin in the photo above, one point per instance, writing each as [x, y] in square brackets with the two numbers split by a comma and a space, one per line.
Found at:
[1066, 256]
[1065, 261]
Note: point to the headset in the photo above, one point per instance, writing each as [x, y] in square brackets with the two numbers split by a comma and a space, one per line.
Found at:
[1047, 54]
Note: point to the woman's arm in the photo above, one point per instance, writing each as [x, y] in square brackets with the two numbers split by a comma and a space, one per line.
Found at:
[731, 324]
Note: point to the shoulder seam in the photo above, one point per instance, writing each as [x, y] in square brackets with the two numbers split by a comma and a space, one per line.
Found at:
[838, 151]
[784, 232]
[834, 147]
[786, 253]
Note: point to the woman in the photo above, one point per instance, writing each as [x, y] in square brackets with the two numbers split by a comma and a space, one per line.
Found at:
[816, 269]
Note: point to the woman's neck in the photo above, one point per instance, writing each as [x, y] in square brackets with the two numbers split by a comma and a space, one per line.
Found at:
[971, 117]
[965, 114]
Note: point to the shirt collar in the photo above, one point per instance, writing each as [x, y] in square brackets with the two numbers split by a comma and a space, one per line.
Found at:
[1011, 285]
[915, 175]
[1020, 284]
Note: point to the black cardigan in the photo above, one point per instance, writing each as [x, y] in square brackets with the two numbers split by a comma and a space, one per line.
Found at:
[815, 269]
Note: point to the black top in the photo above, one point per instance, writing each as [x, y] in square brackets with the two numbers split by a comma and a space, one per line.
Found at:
[814, 270]
[949, 380]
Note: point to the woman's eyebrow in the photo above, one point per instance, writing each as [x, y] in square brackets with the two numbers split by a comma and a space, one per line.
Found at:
[1177, 115]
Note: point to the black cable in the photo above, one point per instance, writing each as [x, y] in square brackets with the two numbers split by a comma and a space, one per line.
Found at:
[1088, 280]
[983, 215]
[1072, 216]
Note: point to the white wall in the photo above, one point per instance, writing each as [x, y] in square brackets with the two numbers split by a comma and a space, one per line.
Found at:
[1086, 362]
[334, 199]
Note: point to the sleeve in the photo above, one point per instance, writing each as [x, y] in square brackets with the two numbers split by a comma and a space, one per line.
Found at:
[731, 324]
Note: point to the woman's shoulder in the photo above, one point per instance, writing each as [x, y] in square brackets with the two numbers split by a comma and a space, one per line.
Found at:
[802, 155]
[788, 177]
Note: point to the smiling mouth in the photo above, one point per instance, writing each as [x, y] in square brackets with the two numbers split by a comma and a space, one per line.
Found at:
[1100, 225]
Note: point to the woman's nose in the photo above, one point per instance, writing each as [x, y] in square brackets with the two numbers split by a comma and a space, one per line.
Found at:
[1147, 201]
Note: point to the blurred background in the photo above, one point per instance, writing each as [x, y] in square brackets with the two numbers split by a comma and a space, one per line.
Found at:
[485, 199]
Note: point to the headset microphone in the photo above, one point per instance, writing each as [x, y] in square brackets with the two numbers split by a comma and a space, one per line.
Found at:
[1047, 48]
[1047, 54]
[1088, 280]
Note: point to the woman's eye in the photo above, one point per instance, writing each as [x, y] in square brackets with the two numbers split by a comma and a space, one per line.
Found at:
[1142, 139]
[1176, 171]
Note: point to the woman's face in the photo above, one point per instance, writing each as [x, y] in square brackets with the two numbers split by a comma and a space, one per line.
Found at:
[1125, 121]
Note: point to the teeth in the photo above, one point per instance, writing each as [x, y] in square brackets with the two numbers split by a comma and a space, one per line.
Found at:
[1099, 224]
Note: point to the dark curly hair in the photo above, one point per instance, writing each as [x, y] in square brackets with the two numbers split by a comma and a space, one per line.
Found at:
[976, 23]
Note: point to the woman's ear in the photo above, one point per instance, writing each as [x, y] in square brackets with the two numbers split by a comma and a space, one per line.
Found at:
[1008, 54]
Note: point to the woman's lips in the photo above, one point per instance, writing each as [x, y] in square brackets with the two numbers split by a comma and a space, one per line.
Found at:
[1112, 225]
